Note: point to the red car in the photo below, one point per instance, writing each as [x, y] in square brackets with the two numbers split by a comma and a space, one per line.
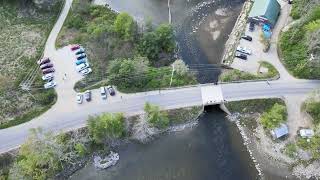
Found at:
[43, 61]
[75, 47]
[47, 71]
[46, 66]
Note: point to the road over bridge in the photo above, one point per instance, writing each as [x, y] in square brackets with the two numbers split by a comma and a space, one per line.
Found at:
[63, 118]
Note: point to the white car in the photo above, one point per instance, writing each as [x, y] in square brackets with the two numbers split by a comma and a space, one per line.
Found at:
[82, 66]
[50, 85]
[103, 93]
[47, 77]
[86, 71]
[244, 50]
[82, 54]
[79, 98]
[80, 50]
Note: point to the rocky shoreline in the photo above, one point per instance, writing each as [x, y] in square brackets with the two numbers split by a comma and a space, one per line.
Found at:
[234, 37]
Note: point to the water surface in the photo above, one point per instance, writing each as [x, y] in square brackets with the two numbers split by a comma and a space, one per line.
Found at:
[211, 150]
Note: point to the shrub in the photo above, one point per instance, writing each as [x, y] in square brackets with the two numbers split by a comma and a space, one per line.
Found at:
[106, 127]
[291, 150]
[125, 26]
[75, 21]
[155, 116]
[46, 97]
[313, 108]
[80, 149]
[272, 118]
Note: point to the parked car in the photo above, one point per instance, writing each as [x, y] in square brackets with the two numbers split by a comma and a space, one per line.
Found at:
[50, 84]
[244, 50]
[86, 71]
[290, 1]
[43, 61]
[46, 66]
[82, 67]
[47, 77]
[80, 50]
[103, 93]
[251, 26]
[241, 56]
[47, 71]
[111, 91]
[87, 95]
[75, 47]
[78, 62]
[246, 37]
[79, 98]
[81, 56]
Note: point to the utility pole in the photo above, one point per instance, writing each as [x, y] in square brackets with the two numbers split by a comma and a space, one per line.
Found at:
[171, 75]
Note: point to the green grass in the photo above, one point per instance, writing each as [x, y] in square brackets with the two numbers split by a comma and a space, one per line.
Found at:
[298, 43]
[182, 115]
[23, 38]
[236, 75]
[46, 102]
[255, 105]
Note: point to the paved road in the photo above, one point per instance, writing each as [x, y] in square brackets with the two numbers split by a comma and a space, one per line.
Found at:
[57, 119]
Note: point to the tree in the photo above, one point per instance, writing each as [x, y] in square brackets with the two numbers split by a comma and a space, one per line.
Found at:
[165, 38]
[126, 73]
[155, 116]
[272, 118]
[38, 157]
[106, 127]
[125, 26]
[155, 42]
[180, 67]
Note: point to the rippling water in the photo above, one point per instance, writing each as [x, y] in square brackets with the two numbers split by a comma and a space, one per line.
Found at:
[211, 150]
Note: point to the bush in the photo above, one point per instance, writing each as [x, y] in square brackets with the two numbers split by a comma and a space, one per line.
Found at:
[106, 127]
[155, 116]
[47, 97]
[291, 150]
[272, 118]
[125, 26]
[313, 108]
[313, 145]
[75, 21]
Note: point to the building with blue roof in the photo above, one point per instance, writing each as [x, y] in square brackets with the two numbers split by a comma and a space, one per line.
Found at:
[280, 131]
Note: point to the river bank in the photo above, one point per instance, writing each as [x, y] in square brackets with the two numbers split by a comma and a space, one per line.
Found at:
[273, 158]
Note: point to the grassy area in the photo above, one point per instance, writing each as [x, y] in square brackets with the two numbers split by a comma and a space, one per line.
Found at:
[249, 109]
[236, 75]
[24, 30]
[178, 116]
[299, 45]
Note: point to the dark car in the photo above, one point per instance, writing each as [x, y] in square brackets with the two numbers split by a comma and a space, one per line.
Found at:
[81, 57]
[111, 91]
[46, 66]
[87, 95]
[290, 1]
[241, 56]
[75, 47]
[43, 61]
[246, 37]
[251, 26]
[47, 71]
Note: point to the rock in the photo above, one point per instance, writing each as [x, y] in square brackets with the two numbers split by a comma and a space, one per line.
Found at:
[44, 4]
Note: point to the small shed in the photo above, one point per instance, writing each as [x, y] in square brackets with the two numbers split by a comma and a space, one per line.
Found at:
[306, 133]
[265, 11]
[280, 131]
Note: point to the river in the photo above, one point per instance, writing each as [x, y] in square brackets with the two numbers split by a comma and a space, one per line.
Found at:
[213, 149]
